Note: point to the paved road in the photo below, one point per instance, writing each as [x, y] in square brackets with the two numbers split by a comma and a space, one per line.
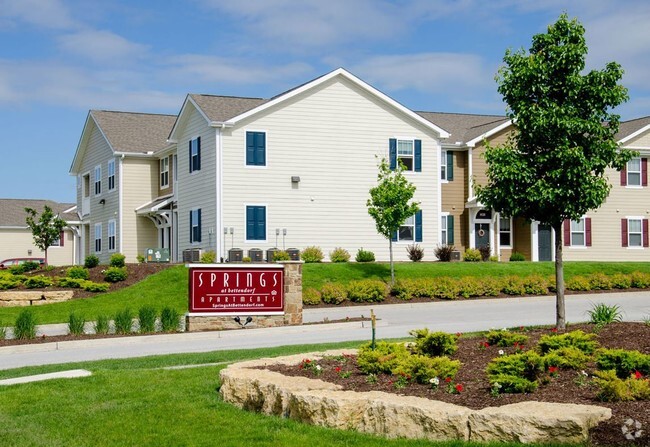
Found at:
[393, 321]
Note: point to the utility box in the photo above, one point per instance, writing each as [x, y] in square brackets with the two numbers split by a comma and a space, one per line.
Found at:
[455, 256]
[270, 253]
[157, 255]
[256, 255]
[235, 255]
[192, 255]
[294, 254]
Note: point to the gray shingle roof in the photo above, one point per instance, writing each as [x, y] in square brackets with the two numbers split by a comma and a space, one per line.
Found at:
[627, 128]
[12, 211]
[463, 127]
[134, 132]
[223, 108]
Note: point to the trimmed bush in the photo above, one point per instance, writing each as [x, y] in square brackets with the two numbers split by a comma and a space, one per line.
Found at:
[470, 286]
[8, 284]
[434, 344]
[401, 291]
[491, 286]
[25, 326]
[246, 259]
[471, 255]
[623, 362]
[443, 252]
[577, 283]
[513, 285]
[312, 254]
[364, 256]
[91, 261]
[568, 357]
[208, 257]
[339, 255]
[77, 272]
[640, 280]
[383, 359]
[508, 383]
[445, 288]
[30, 266]
[123, 321]
[101, 325]
[535, 285]
[505, 338]
[415, 252]
[527, 365]
[517, 257]
[613, 388]
[115, 274]
[577, 339]
[600, 281]
[147, 319]
[311, 297]
[97, 287]
[621, 281]
[37, 282]
[423, 368]
[281, 255]
[332, 293]
[366, 291]
[117, 260]
[169, 320]
[76, 324]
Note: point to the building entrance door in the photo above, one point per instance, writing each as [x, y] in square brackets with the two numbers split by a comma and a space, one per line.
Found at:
[481, 235]
[544, 243]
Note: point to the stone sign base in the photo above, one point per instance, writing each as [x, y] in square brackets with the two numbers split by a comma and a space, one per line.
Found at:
[292, 308]
[33, 298]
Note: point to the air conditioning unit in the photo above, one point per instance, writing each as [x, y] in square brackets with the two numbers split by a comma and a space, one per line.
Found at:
[192, 255]
[235, 255]
[256, 255]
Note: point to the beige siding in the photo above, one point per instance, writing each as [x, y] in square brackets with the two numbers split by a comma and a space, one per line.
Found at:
[140, 186]
[330, 138]
[522, 239]
[479, 166]
[15, 243]
[640, 141]
[454, 198]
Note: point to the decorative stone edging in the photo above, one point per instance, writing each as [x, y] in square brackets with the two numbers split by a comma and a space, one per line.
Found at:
[316, 402]
[34, 297]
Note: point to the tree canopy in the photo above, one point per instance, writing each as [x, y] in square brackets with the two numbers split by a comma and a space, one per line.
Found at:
[46, 228]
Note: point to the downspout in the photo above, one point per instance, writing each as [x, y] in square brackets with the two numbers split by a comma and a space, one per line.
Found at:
[120, 204]
[219, 191]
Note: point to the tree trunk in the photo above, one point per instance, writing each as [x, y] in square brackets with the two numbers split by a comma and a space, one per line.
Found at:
[392, 268]
[560, 314]
[46, 257]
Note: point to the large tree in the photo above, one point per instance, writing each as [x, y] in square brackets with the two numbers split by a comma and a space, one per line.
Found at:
[389, 204]
[46, 228]
[554, 166]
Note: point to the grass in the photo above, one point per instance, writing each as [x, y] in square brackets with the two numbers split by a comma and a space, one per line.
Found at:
[133, 402]
[168, 288]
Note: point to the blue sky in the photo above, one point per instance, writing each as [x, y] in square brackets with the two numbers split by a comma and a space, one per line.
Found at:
[60, 58]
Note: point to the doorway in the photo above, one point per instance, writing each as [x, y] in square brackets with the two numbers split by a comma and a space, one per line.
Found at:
[544, 243]
[481, 235]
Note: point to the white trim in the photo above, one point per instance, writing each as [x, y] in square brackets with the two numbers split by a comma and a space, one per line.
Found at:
[188, 99]
[220, 237]
[200, 226]
[101, 238]
[628, 172]
[584, 233]
[266, 224]
[446, 216]
[266, 149]
[161, 172]
[120, 206]
[489, 133]
[534, 242]
[200, 149]
[95, 194]
[639, 218]
[412, 140]
[108, 175]
[511, 231]
[634, 134]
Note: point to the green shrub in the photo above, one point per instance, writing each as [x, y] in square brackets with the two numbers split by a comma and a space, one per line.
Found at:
[445, 288]
[123, 321]
[117, 260]
[366, 291]
[505, 338]
[471, 255]
[614, 389]
[364, 256]
[208, 257]
[91, 261]
[77, 272]
[601, 314]
[140, 258]
[517, 257]
[333, 293]
[3, 331]
[577, 283]
[383, 359]
[76, 324]
[408, 288]
[491, 286]
[25, 326]
[443, 252]
[640, 280]
[70, 283]
[101, 325]
[527, 365]
[169, 320]
[30, 266]
[415, 252]
[623, 362]
[7, 284]
[494, 259]
[577, 339]
[507, 383]
[434, 344]
[97, 287]
[423, 368]
[621, 281]
[568, 357]
[37, 282]
[513, 285]
[600, 281]
[311, 297]
[115, 274]
[246, 259]
[339, 255]
[470, 286]
[400, 290]
[535, 285]
[147, 319]
[281, 255]
[312, 254]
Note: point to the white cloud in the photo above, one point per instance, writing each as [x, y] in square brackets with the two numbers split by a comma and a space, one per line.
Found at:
[50, 14]
[101, 46]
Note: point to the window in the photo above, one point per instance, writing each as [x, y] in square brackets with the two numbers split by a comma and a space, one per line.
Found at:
[447, 165]
[59, 242]
[410, 230]
[195, 225]
[195, 154]
[578, 233]
[443, 166]
[409, 152]
[255, 223]
[98, 180]
[164, 172]
[255, 149]
[634, 172]
[505, 232]
[634, 232]
[447, 230]
[111, 235]
[98, 238]
[111, 175]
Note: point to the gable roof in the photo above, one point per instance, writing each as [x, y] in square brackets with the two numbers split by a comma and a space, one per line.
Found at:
[463, 127]
[223, 108]
[12, 211]
[630, 129]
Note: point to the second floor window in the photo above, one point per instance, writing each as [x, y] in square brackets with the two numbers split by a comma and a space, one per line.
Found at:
[98, 180]
[255, 149]
[98, 238]
[195, 225]
[111, 175]
[408, 152]
[195, 154]
[111, 235]
[164, 172]
[634, 172]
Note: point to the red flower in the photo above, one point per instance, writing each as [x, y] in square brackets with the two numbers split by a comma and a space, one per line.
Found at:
[448, 379]
[521, 328]
[638, 375]
[459, 388]
[458, 334]
[337, 369]
[554, 329]
[553, 369]
[307, 361]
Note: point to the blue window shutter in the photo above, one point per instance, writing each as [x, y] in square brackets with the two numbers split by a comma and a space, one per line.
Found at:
[250, 148]
[260, 224]
[418, 156]
[450, 230]
[418, 226]
[198, 236]
[198, 151]
[261, 149]
[450, 165]
[191, 228]
[250, 223]
[190, 158]
[392, 153]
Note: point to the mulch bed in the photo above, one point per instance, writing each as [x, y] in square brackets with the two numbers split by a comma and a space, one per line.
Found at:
[476, 388]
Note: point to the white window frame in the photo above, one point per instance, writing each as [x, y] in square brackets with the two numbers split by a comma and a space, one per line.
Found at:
[576, 231]
[192, 155]
[164, 172]
[111, 174]
[112, 236]
[412, 156]
[97, 180]
[638, 172]
[509, 232]
[630, 233]
[443, 166]
[405, 224]
[266, 149]
[266, 216]
[57, 243]
[444, 229]
[195, 224]
[98, 229]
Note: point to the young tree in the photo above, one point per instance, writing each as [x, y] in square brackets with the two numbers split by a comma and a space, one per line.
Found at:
[389, 204]
[554, 166]
[46, 229]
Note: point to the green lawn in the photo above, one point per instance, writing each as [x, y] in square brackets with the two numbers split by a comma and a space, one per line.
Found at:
[169, 287]
[132, 403]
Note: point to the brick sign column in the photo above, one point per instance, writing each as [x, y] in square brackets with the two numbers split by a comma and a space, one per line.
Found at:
[232, 296]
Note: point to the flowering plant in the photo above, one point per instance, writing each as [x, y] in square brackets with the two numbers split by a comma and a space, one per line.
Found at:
[483, 345]
[553, 371]
[309, 364]
[434, 381]
[495, 389]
